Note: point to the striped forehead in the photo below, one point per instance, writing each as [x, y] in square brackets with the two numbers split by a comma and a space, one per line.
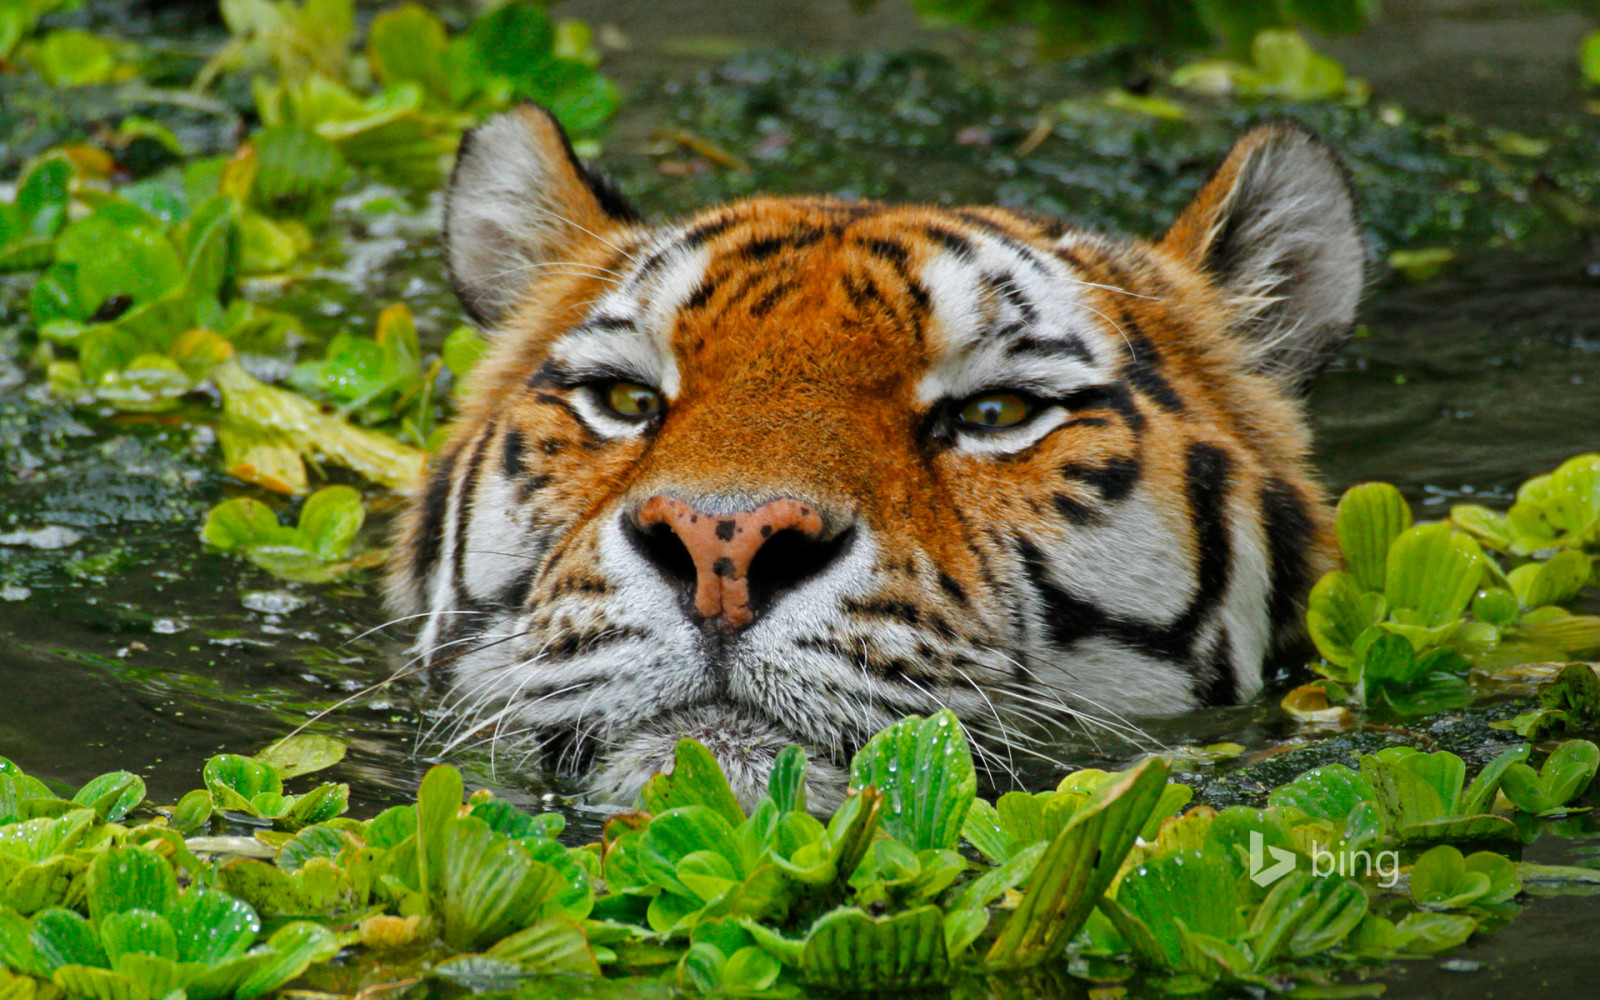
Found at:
[1006, 315]
[628, 329]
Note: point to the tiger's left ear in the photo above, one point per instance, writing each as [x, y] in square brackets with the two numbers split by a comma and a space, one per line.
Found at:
[519, 198]
[1275, 227]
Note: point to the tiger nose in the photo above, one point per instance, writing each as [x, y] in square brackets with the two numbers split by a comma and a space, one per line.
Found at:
[735, 562]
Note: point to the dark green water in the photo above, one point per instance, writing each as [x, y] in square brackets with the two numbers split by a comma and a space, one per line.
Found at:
[130, 646]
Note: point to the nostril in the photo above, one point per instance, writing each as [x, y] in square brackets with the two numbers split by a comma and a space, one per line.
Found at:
[664, 550]
[789, 558]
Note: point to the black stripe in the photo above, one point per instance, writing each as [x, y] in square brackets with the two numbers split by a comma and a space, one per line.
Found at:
[953, 588]
[1113, 481]
[548, 375]
[464, 502]
[1121, 400]
[1289, 529]
[1027, 343]
[705, 231]
[861, 290]
[511, 453]
[1005, 286]
[899, 258]
[608, 323]
[1221, 684]
[430, 527]
[515, 594]
[951, 241]
[1075, 511]
[702, 294]
[772, 296]
[895, 253]
[1070, 255]
[767, 246]
[1142, 368]
[1206, 471]
[533, 484]
[1070, 618]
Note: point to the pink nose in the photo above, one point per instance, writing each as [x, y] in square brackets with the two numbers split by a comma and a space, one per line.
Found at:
[723, 547]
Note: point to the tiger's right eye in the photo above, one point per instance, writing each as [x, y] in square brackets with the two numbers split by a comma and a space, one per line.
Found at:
[632, 400]
[994, 410]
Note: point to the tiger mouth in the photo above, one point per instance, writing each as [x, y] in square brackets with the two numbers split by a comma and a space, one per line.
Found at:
[744, 742]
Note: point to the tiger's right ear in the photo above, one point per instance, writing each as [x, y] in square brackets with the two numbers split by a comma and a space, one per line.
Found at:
[519, 197]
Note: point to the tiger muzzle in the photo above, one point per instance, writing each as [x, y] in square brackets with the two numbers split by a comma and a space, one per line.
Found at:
[736, 563]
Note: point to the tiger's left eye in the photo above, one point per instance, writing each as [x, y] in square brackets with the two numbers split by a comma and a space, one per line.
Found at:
[994, 410]
[632, 400]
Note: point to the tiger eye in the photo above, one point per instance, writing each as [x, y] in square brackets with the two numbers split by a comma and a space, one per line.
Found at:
[995, 409]
[632, 400]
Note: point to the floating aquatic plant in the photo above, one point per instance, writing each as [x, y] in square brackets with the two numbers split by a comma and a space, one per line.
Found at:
[690, 886]
[1418, 606]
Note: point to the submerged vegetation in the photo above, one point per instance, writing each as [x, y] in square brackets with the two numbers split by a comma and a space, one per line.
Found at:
[154, 263]
[914, 882]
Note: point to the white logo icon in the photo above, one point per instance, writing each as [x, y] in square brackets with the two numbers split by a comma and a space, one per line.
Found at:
[1283, 861]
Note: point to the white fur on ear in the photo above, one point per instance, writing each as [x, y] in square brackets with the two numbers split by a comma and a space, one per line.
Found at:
[1276, 227]
[519, 198]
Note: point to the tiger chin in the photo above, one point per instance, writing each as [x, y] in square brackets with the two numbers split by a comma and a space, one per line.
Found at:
[790, 469]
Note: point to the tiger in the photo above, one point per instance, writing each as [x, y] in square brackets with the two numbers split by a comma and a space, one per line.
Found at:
[790, 469]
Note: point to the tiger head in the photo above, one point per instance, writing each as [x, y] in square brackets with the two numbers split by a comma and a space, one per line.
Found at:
[793, 468]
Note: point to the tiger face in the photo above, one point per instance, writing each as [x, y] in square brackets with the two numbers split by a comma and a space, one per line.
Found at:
[791, 469]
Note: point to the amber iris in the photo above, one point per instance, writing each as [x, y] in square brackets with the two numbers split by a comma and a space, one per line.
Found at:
[995, 409]
[632, 400]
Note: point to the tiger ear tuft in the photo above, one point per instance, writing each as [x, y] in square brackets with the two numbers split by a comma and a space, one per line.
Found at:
[518, 197]
[1276, 228]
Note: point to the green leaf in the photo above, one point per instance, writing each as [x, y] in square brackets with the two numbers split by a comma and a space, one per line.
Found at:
[677, 833]
[1338, 614]
[296, 169]
[787, 781]
[330, 520]
[1563, 777]
[491, 886]
[924, 771]
[98, 984]
[438, 804]
[1440, 880]
[138, 931]
[234, 781]
[244, 523]
[848, 950]
[557, 946]
[43, 195]
[1504, 880]
[1434, 572]
[1487, 526]
[1368, 520]
[463, 348]
[1330, 792]
[112, 796]
[695, 780]
[514, 41]
[1479, 796]
[409, 43]
[302, 753]
[61, 937]
[1199, 890]
[1077, 867]
[1555, 581]
[212, 927]
[118, 251]
[129, 878]
[292, 949]
[1589, 58]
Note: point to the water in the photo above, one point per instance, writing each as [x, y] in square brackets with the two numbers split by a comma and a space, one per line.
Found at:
[132, 646]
